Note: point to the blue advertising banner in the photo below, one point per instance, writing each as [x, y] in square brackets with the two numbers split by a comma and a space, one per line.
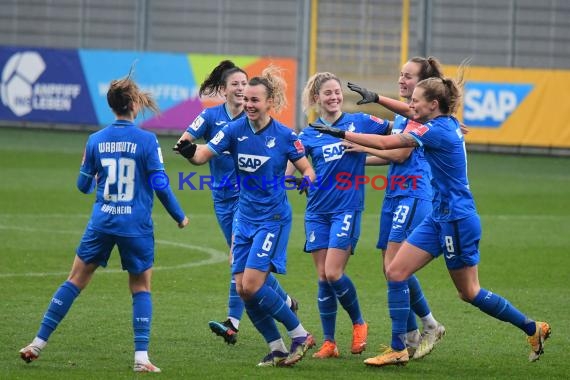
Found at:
[44, 85]
[489, 104]
[166, 76]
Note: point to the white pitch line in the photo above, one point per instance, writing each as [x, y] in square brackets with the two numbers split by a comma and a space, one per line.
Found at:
[214, 256]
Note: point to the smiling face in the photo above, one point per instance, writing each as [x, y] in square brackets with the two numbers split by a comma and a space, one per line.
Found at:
[409, 77]
[234, 87]
[256, 103]
[422, 108]
[329, 99]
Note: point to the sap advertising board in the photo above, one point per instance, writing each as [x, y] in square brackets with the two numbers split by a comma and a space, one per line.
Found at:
[488, 104]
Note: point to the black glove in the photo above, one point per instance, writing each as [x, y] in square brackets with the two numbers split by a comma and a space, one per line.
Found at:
[335, 132]
[302, 184]
[185, 148]
[367, 96]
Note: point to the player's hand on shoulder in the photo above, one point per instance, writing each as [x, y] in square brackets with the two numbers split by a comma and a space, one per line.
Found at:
[184, 222]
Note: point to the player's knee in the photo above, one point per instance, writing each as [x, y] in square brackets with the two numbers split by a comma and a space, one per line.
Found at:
[466, 295]
[333, 275]
[247, 290]
[394, 273]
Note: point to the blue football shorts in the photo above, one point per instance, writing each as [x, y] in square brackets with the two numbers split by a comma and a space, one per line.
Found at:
[137, 253]
[399, 217]
[261, 246]
[457, 240]
[335, 230]
[225, 213]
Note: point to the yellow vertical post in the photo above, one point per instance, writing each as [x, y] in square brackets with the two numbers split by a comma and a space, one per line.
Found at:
[313, 35]
[404, 33]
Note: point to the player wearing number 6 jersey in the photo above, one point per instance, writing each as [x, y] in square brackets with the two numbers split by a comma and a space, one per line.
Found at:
[228, 80]
[261, 147]
[452, 229]
[125, 165]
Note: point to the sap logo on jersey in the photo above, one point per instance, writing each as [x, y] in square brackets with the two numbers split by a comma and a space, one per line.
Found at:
[333, 151]
[250, 163]
[490, 104]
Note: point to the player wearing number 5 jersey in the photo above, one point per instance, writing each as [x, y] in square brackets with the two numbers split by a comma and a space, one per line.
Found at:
[334, 207]
[125, 165]
[453, 228]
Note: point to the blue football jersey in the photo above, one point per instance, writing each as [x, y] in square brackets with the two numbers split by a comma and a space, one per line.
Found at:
[335, 189]
[261, 159]
[415, 170]
[122, 156]
[222, 167]
[444, 146]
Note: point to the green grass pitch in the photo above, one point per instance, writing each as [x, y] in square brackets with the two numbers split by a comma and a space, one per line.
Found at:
[524, 203]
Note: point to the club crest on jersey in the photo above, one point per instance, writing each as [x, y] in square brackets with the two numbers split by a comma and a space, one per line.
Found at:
[270, 141]
[351, 127]
[250, 162]
[333, 152]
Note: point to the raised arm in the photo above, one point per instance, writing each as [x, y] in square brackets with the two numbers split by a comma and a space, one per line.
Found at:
[393, 105]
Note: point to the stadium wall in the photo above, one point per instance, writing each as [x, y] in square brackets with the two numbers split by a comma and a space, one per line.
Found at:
[359, 40]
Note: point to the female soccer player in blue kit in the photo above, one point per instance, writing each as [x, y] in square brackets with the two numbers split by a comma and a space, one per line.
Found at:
[408, 197]
[228, 80]
[261, 147]
[332, 217]
[453, 228]
[124, 161]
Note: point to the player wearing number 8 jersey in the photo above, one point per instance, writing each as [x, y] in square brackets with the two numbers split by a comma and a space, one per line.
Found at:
[125, 164]
[453, 228]
[405, 205]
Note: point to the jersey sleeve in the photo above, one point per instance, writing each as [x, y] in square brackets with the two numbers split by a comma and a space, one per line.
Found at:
[199, 126]
[87, 170]
[88, 164]
[154, 155]
[424, 134]
[221, 141]
[296, 150]
[305, 140]
[374, 125]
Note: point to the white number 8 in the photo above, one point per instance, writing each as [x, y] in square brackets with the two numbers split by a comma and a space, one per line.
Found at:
[449, 244]
[123, 175]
